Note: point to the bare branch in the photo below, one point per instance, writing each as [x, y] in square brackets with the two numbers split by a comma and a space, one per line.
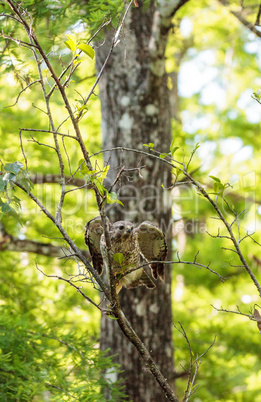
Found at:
[250, 316]
[71, 284]
[40, 178]
[21, 145]
[70, 65]
[229, 249]
[48, 131]
[250, 236]
[236, 217]
[218, 236]
[42, 144]
[239, 15]
[258, 16]
[14, 244]
[114, 43]
[202, 191]
[20, 93]
[193, 362]
[19, 42]
[195, 263]
[67, 239]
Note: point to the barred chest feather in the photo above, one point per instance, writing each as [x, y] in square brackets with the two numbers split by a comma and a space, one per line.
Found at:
[128, 246]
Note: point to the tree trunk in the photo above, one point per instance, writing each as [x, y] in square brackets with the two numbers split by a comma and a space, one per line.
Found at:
[135, 110]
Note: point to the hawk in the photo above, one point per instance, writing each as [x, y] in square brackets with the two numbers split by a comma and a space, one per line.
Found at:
[128, 245]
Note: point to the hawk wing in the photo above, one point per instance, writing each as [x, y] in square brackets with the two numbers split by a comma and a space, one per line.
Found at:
[153, 247]
[93, 233]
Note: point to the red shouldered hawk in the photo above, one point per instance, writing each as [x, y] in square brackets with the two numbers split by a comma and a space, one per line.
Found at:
[128, 244]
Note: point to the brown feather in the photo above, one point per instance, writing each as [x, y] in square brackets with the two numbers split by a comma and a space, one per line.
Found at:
[93, 233]
[153, 247]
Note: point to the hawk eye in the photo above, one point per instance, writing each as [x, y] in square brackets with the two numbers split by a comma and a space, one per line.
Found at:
[121, 227]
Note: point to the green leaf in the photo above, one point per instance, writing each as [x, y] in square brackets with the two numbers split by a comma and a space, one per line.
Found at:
[2, 183]
[72, 38]
[173, 149]
[104, 172]
[163, 155]
[111, 198]
[99, 185]
[118, 257]
[28, 185]
[9, 177]
[150, 145]
[15, 215]
[176, 171]
[6, 208]
[71, 45]
[111, 316]
[13, 167]
[16, 202]
[215, 178]
[87, 49]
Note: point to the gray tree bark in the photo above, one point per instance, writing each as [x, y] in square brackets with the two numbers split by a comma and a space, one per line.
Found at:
[136, 110]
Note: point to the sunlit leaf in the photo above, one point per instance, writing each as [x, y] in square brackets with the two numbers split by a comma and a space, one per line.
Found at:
[112, 317]
[118, 257]
[111, 198]
[87, 49]
[71, 45]
[13, 167]
[215, 178]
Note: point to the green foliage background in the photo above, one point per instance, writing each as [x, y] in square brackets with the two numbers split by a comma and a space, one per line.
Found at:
[48, 333]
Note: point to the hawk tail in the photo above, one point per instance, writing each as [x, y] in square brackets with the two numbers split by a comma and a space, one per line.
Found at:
[158, 271]
[144, 279]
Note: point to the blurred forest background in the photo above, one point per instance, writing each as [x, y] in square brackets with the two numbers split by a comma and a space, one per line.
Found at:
[49, 334]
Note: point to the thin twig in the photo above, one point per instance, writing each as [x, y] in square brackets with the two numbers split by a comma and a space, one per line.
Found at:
[201, 189]
[250, 316]
[68, 159]
[20, 93]
[258, 16]
[41, 143]
[240, 16]
[48, 131]
[114, 43]
[197, 264]
[71, 284]
[22, 148]
[71, 63]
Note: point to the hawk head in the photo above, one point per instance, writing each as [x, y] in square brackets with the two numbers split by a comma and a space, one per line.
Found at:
[121, 229]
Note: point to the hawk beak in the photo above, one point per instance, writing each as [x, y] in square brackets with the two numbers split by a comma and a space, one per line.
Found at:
[129, 229]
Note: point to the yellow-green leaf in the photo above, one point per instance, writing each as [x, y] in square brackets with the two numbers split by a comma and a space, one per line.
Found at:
[118, 257]
[111, 198]
[111, 316]
[72, 38]
[87, 49]
[71, 45]
[150, 145]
